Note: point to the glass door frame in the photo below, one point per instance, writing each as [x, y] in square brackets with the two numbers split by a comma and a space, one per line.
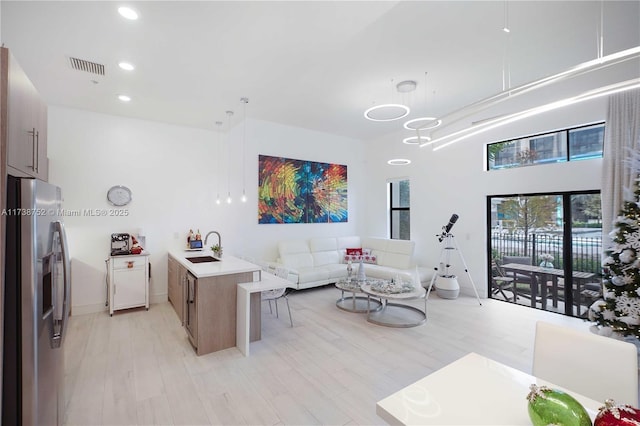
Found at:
[567, 245]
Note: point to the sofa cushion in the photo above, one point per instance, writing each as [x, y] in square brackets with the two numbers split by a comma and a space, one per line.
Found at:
[295, 254]
[323, 244]
[312, 274]
[322, 258]
[337, 271]
[399, 253]
[377, 247]
[366, 258]
[297, 261]
[354, 251]
[324, 251]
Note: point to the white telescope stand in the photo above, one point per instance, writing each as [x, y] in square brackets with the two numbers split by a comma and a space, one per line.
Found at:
[445, 255]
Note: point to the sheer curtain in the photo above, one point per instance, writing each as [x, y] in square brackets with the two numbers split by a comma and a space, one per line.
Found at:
[622, 136]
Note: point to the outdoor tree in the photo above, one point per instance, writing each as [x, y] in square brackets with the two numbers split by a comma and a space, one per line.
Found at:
[585, 207]
[526, 213]
[619, 310]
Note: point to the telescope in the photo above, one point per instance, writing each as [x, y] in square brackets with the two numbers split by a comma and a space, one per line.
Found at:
[447, 227]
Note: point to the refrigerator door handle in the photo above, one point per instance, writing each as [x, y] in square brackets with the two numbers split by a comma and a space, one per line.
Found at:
[61, 326]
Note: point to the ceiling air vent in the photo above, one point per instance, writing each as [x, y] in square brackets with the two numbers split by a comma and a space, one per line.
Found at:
[87, 66]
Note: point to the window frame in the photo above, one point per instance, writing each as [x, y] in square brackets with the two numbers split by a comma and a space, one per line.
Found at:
[567, 142]
[392, 209]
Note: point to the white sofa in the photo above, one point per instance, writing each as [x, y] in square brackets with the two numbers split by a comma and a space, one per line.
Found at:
[319, 261]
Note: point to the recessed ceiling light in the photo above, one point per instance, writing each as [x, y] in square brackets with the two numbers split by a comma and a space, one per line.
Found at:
[399, 162]
[422, 123]
[128, 13]
[126, 66]
[413, 140]
[386, 112]
[124, 98]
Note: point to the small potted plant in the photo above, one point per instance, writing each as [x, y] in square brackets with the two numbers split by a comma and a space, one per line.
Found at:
[546, 260]
[217, 250]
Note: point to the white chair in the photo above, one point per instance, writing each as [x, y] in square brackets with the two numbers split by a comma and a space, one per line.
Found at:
[278, 293]
[595, 366]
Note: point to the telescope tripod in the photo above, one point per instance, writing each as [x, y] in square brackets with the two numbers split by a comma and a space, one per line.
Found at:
[445, 254]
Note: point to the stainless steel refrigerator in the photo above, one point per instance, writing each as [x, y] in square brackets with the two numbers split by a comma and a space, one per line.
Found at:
[37, 301]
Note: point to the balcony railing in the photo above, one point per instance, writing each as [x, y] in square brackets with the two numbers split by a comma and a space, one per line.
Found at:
[587, 251]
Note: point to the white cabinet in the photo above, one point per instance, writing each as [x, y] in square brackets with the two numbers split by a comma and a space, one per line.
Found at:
[27, 123]
[128, 282]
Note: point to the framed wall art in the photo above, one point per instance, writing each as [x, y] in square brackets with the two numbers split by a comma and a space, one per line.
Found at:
[299, 191]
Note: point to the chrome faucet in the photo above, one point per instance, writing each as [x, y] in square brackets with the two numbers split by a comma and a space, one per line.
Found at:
[213, 232]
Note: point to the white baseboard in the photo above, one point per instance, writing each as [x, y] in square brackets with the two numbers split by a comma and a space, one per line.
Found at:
[88, 309]
[100, 307]
[158, 298]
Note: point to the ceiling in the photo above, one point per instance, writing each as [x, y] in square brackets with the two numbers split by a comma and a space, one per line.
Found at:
[310, 64]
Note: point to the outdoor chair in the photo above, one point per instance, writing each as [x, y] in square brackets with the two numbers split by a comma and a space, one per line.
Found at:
[501, 282]
[522, 282]
[589, 293]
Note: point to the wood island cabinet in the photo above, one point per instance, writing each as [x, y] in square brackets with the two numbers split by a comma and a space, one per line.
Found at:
[177, 275]
[26, 124]
[204, 296]
[215, 300]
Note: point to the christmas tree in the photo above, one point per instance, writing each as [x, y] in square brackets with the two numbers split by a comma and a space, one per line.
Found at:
[619, 310]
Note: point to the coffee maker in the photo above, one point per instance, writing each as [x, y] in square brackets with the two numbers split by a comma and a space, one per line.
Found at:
[120, 244]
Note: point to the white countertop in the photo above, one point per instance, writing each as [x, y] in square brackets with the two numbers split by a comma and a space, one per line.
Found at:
[142, 253]
[225, 266]
[267, 281]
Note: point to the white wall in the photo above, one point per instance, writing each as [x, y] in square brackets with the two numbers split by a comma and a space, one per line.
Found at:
[453, 180]
[173, 174]
[172, 171]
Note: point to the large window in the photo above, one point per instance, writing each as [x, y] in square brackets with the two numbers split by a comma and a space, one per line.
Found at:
[399, 210]
[573, 144]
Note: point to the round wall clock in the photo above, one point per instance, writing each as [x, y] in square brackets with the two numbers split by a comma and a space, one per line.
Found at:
[119, 195]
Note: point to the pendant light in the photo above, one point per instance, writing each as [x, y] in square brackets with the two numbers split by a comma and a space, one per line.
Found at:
[508, 93]
[391, 111]
[244, 101]
[218, 124]
[422, 123]
[229, 114]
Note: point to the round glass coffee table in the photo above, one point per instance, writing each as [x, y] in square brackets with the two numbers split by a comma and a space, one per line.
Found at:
[354, 303]
[395, 314]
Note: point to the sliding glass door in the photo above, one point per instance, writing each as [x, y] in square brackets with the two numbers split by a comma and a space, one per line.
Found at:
[539, 259]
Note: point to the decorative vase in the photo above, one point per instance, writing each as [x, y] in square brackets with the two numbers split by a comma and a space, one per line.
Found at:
[613, 414]
[349, 271]
[546, 264]
[361, 275]
[551, 406]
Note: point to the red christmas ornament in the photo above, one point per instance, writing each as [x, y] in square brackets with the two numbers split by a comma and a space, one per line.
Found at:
[617, 415]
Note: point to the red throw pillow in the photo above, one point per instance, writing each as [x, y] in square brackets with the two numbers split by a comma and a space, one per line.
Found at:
[352, 251]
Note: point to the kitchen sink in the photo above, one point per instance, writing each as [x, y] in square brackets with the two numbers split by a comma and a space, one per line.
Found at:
[202, 259]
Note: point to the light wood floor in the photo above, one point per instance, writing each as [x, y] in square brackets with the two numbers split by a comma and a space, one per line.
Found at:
[138, 367]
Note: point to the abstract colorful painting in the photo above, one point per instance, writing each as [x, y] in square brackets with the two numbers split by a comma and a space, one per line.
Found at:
[298, 191]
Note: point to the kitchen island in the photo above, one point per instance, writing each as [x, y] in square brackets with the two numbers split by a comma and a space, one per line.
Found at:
[203, 293]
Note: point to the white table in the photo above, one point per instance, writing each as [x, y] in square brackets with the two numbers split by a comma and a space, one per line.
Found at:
[243, 305]
[473, 390]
